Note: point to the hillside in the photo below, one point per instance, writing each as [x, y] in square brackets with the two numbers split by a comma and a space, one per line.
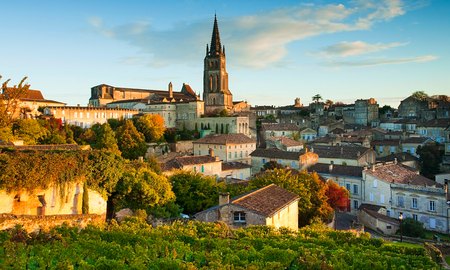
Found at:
[193, 245]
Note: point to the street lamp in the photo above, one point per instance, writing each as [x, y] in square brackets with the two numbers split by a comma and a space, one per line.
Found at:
[400, 217]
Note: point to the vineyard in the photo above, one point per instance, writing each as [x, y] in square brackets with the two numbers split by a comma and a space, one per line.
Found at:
[191, 245]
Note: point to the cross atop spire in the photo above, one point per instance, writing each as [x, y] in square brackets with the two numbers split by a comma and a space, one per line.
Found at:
[216, 47]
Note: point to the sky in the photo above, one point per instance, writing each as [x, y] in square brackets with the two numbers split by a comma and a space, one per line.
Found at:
[276, 50]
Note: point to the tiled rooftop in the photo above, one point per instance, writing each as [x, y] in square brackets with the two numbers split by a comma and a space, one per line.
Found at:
[225, 139]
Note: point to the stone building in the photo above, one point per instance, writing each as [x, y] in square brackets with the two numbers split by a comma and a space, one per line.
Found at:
[228, 147]
[270, 205]
[216, 94]
[375, 218]
[401, 189]
[366, 111]
[86, 117]
[344, 155]
[294, 160]
[55, 200]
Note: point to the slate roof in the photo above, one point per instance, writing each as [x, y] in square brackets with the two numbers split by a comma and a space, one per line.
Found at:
[418, 140]
[342, 170]
[223, 139]
[280, 127]
[226, 166]
[386, 142]
[401, 157]
[267, 200]
[343, 151]
[399, 174]
[372, 210]
[180, 162]
[442, 123]
[285, 141]
[276, 153]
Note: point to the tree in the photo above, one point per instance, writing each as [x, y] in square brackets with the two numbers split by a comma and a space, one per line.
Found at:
[386, 108]
[105, 138]
[413, 228]
[10, 101]
[152, 126]
[142, 188]
[420, 95]
[131, 141]
[195, 192]
[329, 102]
[29, 130]
[316, 98]
[271, 165]
[337, 196]
[430, 158]
[311, 190]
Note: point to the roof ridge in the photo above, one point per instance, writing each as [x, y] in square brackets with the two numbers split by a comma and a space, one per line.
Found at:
[254, 192]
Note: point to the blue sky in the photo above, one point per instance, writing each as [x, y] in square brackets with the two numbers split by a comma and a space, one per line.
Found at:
[276, 50]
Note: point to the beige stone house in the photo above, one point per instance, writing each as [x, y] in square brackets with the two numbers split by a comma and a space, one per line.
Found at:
[284, 143]
[280, 130]
[400, 189]
[270, 205]
[55, 200]
[375, 218]
[351, 155]
[294, 160]
[307, 134]
[228, 147]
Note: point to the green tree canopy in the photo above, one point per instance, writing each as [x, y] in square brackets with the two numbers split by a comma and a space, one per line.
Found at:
[131, 141]
[430, 158]
[195, 192]
[29, 130]
[420, 95]
[10, 101]
[313, 201]
[316, 98]
[152, 126]
[105, 138]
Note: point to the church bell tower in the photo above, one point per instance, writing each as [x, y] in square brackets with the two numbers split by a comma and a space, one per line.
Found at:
[216, 95]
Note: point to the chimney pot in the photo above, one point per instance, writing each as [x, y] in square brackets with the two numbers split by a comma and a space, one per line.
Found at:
[211, 152]
[224, 198]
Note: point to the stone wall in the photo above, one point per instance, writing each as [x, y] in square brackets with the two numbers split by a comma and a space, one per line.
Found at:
[45, 223]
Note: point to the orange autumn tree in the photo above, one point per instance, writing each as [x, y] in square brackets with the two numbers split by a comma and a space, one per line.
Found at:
[152, 126]
[337, 195]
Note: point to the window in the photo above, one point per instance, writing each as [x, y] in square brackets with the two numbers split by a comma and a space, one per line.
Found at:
[371, 197]
[432, 223]
[388, 227]
[355, 204]
[414, 203]
[203, 169]
[400, 201]
[239, 217]
[432, 206]
[235, 154]
[229, 154]
[264, 161]
[375, 183]
[355, 189]
[392, 149]
[347, 186]
[414, 216]
[381, 198]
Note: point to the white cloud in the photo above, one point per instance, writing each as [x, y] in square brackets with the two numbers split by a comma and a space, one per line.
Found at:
[382, 61]
[344, 49]
[254, 41]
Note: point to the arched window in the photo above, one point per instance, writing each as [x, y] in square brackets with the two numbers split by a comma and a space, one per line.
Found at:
[218, 82]
[210, 82]
[214, 101]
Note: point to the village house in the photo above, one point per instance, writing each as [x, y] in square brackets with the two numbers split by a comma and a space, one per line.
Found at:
[401, 189]
[284, 143]
[351, 155]
[349, 177]
[375, 218]
[86, 117]
[307, 134]
[403, 158]
[280, 130]
[294, 160]
[270, 205]
[434, 129]
[386, 147]
[228, 147]
[410, 145]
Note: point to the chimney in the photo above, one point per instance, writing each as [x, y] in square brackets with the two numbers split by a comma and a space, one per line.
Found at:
[395, 160]
[342, 150]
[330, 168]
[211, 152]
[224, 198]
[170, 90]
[373, 167]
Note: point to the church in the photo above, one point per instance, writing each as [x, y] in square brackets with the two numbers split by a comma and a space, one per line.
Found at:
[217, 97]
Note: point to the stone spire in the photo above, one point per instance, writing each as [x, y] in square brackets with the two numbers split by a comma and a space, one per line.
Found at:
[216, 47]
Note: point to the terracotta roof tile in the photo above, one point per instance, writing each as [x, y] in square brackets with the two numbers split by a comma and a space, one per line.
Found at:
[343, 151]
[399, 174]
[267, 200]
[280, 127]
[342, 170]
[276, 153]
[180, 162]
[286, 141]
